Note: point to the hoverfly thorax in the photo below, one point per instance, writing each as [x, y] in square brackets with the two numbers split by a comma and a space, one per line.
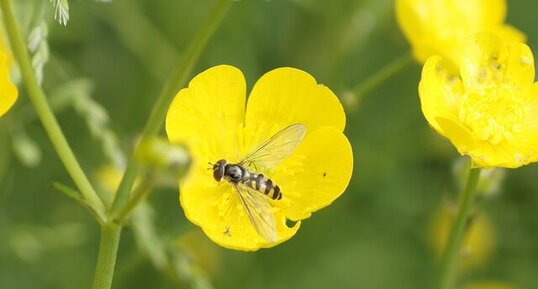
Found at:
[234, 173]
[218, 170]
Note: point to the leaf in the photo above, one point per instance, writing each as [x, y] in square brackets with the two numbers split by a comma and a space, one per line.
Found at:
[77, 94]
[38, 46]
[61, 13]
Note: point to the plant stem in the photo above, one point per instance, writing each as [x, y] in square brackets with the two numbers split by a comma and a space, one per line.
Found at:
[379, 77]
[452, 250]
[108, 249]
[67, 191]
[177, 79]
[111, 232]
[39, 101]
[139, 193]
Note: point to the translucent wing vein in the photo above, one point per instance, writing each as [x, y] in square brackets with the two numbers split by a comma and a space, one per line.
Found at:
[277, 148]
[259, 212]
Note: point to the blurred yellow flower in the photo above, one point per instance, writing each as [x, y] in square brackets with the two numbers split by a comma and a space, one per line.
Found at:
[491, 112]
[108, 178]
[203, 253]
[489, 285]
[440, 27]
[4, 45]
[210, 118]
[478, 241]
[8, 91]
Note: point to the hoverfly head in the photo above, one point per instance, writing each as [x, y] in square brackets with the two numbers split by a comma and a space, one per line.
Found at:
[218, 170]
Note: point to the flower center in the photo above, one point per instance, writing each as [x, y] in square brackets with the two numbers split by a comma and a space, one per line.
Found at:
[492, 113]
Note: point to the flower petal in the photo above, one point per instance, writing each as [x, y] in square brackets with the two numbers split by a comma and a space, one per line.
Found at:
[206, 115]
[484, 12]
[519, 70]
[440, 27]
[525, 142]
[505, 155]
[459, 135]
[411, 21]
[482, 61]
[487, 59]
[287, 95]
[509, 33]
[216, 208]
[8, 91]
[439, 92]
[316, 174]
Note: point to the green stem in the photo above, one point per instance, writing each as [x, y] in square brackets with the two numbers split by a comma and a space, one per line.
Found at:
[39, 101]
[379, 77]
[452, 250]
[68, 192]
[74, 195]
[108, 249]
[177, 79]
[139, 193]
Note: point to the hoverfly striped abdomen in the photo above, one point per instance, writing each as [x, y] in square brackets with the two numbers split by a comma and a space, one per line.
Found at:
[263, 185]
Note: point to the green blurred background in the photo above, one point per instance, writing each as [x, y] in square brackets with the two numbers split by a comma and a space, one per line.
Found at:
[118, 54]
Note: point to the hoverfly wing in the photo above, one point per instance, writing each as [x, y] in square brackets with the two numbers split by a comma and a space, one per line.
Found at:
[275, 149]
[258, 210]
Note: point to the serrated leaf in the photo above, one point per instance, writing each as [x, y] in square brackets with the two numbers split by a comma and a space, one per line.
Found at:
[61, 11]
[38, 46]
[77, 94]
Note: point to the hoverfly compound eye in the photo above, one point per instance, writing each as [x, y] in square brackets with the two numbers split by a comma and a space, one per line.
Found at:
[218, 170]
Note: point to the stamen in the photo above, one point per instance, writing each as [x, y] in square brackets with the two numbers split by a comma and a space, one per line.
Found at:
[492, 113]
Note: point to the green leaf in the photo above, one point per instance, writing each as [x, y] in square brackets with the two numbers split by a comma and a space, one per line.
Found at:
[61, 13]
[77, 93]
[38, 46]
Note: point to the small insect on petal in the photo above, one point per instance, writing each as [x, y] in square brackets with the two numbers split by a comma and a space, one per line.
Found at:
[264, 161]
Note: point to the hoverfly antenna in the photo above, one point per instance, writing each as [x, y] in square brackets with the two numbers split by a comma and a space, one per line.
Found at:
[210, 165]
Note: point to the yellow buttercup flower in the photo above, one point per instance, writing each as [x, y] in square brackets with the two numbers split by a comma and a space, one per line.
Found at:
[440, 27]
[491, 112]
[210, 118]
[478, 242]
[8, 91]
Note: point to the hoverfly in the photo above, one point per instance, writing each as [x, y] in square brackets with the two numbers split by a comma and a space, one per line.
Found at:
[252, 187]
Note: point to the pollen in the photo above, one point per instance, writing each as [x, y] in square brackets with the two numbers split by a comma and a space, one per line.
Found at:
[493, 114]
